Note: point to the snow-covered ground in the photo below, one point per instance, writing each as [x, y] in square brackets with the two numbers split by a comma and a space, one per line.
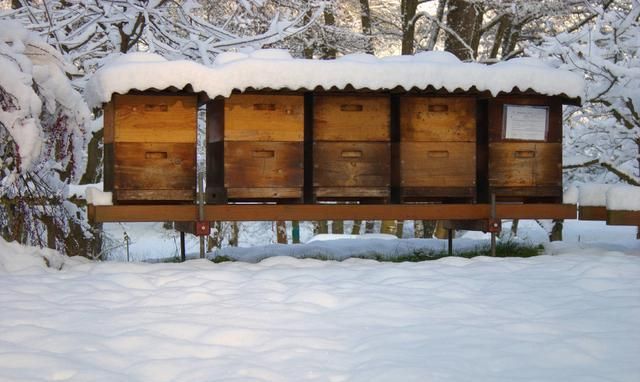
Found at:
[570, 316]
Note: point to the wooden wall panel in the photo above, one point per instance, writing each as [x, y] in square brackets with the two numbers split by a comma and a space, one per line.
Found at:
[149, 166]
[438, 164]
[525, 164]
[438, 119]
[253, 117]
[351, 164]
[155, 118]
[351, 118]
[263, 164]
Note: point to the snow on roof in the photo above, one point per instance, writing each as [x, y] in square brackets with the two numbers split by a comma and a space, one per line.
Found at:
[276, 69]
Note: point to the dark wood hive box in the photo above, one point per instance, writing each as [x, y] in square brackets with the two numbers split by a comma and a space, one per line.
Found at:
[255, 148]
[525, 149]
[150, 148]
[437, 148]
[351, 147]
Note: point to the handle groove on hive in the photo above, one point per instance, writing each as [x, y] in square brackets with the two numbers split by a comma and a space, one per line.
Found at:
[525, 154]
[263, 153]
[438, 154]
[154, 107]
[439, 108]
[352, 154]
[264, 106]
[350, 107]
[155, 155]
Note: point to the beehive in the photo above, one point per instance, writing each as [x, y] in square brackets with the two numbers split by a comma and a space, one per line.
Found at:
[150, 148]
[437, 148]
[525, 148]
[255, 148]
[351, 147]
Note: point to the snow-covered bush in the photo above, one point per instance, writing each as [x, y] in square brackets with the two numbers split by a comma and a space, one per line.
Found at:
[603, 139]
[42, 142]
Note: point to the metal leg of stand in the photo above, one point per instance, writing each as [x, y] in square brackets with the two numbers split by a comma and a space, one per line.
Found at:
[183, 249]
[493, 217]
[450, 237]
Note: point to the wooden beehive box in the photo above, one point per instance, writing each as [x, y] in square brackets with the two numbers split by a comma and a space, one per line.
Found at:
[525, 148]
[255, 148]
[437, 149]
[351, 147]
[150, 148]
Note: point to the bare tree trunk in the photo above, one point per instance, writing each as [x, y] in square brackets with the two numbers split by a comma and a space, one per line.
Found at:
[388, 226]
[365, 19]
[215, 239]
[320, 227]
[408, 12]
[418, 229]
[330, 20]
[399, 228]
[337, 226]
[514, 227]
[235, 234]
[435, 27]
[429, 228]
[281, 232]
[556, 231]
[355, 230]
[369, 226]
[461, 19]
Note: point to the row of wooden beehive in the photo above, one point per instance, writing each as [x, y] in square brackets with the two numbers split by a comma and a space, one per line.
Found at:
[366, 147]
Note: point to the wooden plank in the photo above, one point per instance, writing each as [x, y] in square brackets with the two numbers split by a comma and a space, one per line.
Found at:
[268, 212]
[108, 122]
[438, 119]
[264, 117]
[536, 211]
[351, 192]
[351, 164]
[525, 164]
[108, 166]
[437, 164]
[351, 118]
[631, 218]
[141, 166]
[263, 164]
[261, 193]
[595, 213]
[149, 118]
[437, 192]
[130, 196]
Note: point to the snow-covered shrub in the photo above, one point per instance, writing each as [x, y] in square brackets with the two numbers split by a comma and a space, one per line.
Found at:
[42, 142]
[602, 143]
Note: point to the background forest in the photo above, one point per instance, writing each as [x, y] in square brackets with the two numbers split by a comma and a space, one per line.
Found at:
[50, 140]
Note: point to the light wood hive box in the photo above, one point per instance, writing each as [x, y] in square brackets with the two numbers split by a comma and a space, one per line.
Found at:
[150, 148]
[351, 147]
[525, 170]
[255, 148]
[437, 149]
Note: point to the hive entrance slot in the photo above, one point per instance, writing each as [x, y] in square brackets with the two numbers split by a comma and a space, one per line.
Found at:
[525, 154]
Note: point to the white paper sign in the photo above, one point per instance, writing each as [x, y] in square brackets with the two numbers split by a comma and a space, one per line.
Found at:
[525, 122]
